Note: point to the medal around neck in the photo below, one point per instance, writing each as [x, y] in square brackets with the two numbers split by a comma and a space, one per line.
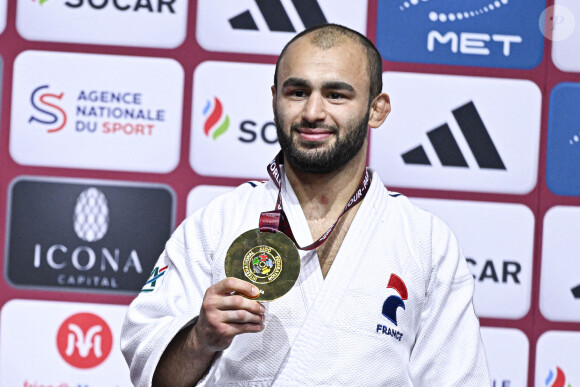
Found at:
[268, 260]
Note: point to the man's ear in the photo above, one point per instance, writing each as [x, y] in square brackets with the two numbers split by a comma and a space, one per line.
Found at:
[380, 109]
[273, 88]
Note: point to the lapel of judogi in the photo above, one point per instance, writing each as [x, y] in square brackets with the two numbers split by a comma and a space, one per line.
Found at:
[324, 296]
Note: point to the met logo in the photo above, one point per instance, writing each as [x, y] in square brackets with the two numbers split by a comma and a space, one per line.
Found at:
[491, 33]
[563, 159]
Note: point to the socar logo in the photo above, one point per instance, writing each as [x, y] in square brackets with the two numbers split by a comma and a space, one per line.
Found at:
[557, 379]
[213, 113]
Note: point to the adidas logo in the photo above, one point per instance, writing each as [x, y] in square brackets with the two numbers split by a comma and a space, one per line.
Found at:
[576, 292]
[277, 18]
[447, 149]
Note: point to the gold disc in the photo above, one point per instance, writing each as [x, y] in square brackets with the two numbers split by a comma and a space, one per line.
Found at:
[268, 260]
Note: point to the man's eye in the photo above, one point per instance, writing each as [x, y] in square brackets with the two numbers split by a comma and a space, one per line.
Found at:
[298, 93]
[335, 96]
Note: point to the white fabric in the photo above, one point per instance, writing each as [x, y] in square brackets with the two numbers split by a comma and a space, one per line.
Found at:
[324, 331]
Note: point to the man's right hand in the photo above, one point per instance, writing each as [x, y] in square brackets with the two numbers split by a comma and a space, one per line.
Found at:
[225, 313]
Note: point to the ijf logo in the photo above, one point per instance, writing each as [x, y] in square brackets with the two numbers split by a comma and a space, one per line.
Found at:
[264, 26]
[216, 123]
[392, 304]
[489, 33]
[563, 160]
[84, 340]
[47, 111]
[155, 277]
[473, 134]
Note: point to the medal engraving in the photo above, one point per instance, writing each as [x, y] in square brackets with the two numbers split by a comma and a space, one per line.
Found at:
[268, 260]
[262, 264]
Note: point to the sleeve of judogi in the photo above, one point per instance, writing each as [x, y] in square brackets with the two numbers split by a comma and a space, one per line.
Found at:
[448, 349]
[170, 300]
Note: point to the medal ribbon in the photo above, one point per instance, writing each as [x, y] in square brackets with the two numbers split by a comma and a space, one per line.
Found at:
[275, 220]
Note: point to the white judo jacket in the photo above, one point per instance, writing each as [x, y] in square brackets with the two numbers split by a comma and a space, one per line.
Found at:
[394, 310]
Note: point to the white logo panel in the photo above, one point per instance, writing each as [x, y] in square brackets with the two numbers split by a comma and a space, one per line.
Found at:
[507, 351]
[35, 325]
[557, 359]
[265, 26]
[96, 111]
[459, 133]
[560, 278]
[3, 4]
[498, 242]
[160, 24]
[201, 195]
[233, 132]
[565, 17]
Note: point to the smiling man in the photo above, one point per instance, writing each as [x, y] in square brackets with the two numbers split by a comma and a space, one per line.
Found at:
[384, 295]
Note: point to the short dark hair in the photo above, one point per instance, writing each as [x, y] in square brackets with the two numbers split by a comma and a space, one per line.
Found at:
[329, 35]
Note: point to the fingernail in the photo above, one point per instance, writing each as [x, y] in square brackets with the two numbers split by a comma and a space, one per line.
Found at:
[262, 308]
[255, 291]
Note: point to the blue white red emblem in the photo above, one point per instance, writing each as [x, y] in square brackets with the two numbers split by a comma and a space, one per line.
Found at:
[392, 303]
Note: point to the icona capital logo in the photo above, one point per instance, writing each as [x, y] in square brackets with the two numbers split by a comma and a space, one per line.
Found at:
[84, 340]
[86, 237]
[91, 218]
[47, 111]
[216, 122]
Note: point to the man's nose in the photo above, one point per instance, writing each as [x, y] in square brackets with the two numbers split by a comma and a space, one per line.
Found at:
[314, 108]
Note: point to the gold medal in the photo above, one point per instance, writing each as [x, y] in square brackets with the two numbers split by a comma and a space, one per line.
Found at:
[268, 260]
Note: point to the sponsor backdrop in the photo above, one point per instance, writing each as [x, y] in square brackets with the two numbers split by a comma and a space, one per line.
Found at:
[119, 118]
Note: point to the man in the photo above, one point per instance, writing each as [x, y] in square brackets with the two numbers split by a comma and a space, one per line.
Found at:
[385, 300]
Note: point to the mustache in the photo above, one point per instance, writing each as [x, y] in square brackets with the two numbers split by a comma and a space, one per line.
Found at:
[313, 125]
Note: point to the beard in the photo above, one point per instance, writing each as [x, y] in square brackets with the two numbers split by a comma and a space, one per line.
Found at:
[311, 160]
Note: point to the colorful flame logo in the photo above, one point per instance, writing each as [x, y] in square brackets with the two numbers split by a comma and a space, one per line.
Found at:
[557, 379]
[211, 123]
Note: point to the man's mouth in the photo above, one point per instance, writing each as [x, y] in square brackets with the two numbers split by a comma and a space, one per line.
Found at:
[313, 134]
[316, 134]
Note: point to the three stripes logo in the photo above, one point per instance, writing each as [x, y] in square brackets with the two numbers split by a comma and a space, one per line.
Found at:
[576, 292]
[277, 18]
[446, 147]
